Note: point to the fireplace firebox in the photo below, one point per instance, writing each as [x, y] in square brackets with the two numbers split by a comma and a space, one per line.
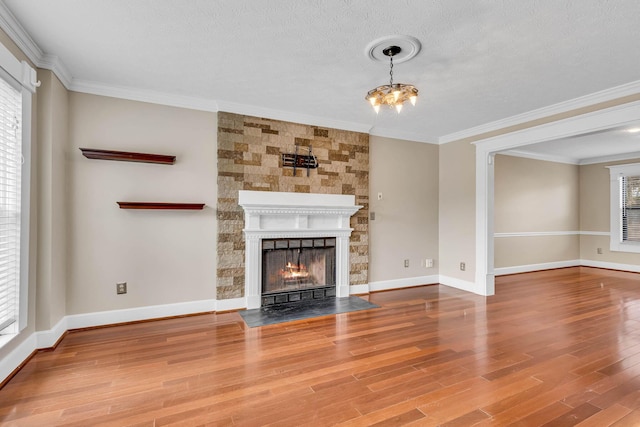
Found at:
[298, 269]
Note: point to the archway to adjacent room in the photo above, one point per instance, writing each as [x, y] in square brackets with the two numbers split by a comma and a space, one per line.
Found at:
[486, 149]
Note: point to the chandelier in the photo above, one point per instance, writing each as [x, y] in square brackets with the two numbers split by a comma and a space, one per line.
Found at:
[393, 95]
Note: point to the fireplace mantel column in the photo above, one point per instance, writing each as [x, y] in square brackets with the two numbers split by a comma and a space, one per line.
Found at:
[253, 271]
[342, 266]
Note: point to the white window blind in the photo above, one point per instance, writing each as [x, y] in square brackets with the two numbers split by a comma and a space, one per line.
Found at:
[630, 187]
[10, 194]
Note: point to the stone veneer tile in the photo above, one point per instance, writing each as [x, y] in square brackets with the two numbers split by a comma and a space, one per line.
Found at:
[249, 158]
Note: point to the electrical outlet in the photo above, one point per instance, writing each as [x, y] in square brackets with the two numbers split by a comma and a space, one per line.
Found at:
[406, 263]
[599, 251]
[372, 216]
[428, 263]
[379, 196]
[121, 288]
[463, 266]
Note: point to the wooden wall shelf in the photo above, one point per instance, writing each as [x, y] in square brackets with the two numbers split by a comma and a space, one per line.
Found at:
[157, 205]
[125, 156]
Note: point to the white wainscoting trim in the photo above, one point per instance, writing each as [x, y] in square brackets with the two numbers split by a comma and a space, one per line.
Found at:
[384, 285]
[536, 234]
[610, 265]
[551, 233]
[464, 285]
[536, 267]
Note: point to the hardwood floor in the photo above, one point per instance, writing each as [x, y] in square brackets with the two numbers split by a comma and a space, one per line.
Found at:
[554, 348]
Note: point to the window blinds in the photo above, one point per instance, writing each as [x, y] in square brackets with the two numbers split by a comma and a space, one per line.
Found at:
[10, 172]
[631, 209]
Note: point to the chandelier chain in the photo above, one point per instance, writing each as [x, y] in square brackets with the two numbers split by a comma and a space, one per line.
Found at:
[392, 95]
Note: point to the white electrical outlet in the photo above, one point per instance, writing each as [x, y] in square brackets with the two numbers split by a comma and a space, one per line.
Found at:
[428, 263]
[406, 263]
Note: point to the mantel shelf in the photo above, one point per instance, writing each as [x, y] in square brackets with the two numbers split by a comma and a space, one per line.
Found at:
[158, 205]
[125, 156]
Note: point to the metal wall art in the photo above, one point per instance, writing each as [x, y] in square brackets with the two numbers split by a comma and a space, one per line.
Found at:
[295, 160]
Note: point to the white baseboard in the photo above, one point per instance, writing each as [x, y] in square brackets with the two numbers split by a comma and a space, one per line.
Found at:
[231, 304]
[536, 267]
[359, 289]
[100, 318]
[562, 264]
[459, 284]
[610, 265]
[403, 283]
[16, 357]
[385, 285]
[47, 339]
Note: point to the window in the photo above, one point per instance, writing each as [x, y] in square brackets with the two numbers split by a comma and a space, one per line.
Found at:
[17, 84]
[630, 186]
[10, 179]
[625, 207]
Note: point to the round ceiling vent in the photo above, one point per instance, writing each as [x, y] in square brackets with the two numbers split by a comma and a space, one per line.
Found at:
[410, 46]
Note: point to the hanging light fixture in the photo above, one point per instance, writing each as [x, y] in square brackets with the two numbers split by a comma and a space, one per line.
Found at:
[394, 94]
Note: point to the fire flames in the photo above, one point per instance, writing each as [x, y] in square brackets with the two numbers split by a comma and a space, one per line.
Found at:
[293, 272]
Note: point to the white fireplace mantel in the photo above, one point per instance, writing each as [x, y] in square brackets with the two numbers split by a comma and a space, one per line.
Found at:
[274, 215]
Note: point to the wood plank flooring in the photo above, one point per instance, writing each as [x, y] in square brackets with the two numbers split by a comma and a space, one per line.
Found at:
[555, 348]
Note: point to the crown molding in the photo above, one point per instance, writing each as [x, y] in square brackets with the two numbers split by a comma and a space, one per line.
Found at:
[610, 94]
[16, 32]
[570, 160]
[606, 118]
[23, 40]
[142, 95]
[53, 63]
[539, 156]
[407, 136]
[612, 158]
[288, 116]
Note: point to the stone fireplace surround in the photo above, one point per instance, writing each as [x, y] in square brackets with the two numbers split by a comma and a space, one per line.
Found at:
[274, 215]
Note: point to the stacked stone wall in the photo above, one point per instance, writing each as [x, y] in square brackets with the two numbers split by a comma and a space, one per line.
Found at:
[249, 158]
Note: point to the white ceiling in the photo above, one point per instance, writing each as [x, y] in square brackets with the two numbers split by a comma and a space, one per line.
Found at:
[481, 61]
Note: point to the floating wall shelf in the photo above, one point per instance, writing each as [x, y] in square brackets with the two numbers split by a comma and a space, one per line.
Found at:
[156, 205]
[125, 156]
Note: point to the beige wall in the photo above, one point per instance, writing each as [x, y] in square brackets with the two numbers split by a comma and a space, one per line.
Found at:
[457, 210]
[530, 250]
[406, 224]
[52, 143]
[164, 256]
[535, 196]
[594, 214]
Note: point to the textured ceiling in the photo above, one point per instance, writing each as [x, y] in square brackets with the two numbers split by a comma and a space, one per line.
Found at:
[480, 61]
